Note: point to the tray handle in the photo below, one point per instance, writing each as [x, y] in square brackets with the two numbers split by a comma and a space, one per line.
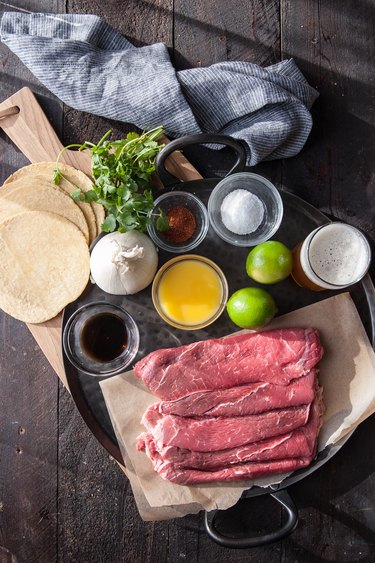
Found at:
[287, 503]
[169, 179]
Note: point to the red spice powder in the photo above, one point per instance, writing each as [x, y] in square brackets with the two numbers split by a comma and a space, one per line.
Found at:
[182, 224]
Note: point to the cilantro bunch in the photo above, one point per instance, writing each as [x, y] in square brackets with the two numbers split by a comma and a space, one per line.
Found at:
[122, 172]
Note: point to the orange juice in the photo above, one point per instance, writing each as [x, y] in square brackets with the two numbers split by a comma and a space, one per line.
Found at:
[190, 292]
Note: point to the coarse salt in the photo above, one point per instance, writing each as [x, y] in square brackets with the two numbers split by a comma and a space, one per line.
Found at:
[241, 212]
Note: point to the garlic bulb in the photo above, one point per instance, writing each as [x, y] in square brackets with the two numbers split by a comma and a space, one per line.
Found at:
[123, 263]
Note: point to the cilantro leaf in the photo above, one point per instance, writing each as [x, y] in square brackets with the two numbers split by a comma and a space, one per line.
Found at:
[56, 175]
[90, 196]
[122, 171]
[162, 223]
[109, 224]
[78, 195]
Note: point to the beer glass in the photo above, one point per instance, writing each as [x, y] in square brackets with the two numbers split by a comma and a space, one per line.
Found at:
[333, 256]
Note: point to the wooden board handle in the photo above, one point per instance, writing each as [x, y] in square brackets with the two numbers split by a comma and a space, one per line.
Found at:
[33, 134]
[30, 129]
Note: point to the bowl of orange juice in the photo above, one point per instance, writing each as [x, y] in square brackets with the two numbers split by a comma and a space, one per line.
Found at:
[190, 292]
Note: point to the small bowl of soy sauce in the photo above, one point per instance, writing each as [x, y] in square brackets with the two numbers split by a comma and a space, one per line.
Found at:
[101, 339]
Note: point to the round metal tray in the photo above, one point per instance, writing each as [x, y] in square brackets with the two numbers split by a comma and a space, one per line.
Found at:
[299, 219]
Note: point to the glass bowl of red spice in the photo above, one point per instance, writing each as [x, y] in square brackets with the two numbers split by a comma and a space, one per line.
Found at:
[187, 219]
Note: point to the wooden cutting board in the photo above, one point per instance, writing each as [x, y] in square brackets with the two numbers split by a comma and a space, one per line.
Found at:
[24, 121]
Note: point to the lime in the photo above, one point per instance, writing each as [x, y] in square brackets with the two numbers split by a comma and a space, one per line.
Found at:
[251, 307]
[269, 262]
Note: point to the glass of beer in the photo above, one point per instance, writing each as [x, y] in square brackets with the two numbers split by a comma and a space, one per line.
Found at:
[333, 256]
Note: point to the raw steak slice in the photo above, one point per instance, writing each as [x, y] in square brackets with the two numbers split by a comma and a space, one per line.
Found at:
[300, 443]
[265, 450]
[233, 473]
[218, 433]
[275, 356]
[245, 399]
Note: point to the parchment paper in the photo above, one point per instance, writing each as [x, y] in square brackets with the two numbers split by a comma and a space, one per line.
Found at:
[347, 374]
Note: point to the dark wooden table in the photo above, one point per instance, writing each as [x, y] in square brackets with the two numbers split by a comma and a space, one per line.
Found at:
[62, 498]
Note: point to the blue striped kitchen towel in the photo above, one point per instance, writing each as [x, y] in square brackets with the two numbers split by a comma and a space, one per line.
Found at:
[92, 68]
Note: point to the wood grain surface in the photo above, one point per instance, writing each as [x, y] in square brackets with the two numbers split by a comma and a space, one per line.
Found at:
[22, 119]
[62, 498]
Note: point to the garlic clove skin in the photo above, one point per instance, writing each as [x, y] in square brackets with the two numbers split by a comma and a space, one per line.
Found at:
[123, 263]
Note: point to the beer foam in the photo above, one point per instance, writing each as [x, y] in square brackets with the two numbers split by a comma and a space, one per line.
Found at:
[339, 254]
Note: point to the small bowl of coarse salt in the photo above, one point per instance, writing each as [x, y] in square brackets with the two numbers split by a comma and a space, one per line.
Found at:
[245, 209]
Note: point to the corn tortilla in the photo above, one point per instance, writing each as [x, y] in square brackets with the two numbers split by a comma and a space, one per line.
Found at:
[94, 212]
[79, 179]
[19, 196]
[45, 265]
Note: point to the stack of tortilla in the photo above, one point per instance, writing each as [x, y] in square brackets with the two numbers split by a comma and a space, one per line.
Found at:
[44, 241]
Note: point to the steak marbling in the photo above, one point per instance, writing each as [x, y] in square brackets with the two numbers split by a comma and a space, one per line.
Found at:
[275, 356]
[299, 443]
[218, 433]
[232, 473]
[235, 408]
[244, 399]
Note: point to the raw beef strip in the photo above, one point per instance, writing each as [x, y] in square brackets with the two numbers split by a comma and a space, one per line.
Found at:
[233, 473]
[219, 433]
[245, 399]
[300, 443]
[265, 450]
[276, 356]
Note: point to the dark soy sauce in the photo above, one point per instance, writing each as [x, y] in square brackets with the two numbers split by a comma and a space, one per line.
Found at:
[104, 337]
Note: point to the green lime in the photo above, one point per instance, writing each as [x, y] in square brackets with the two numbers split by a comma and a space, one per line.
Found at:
[251, 307]
[269, 262]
